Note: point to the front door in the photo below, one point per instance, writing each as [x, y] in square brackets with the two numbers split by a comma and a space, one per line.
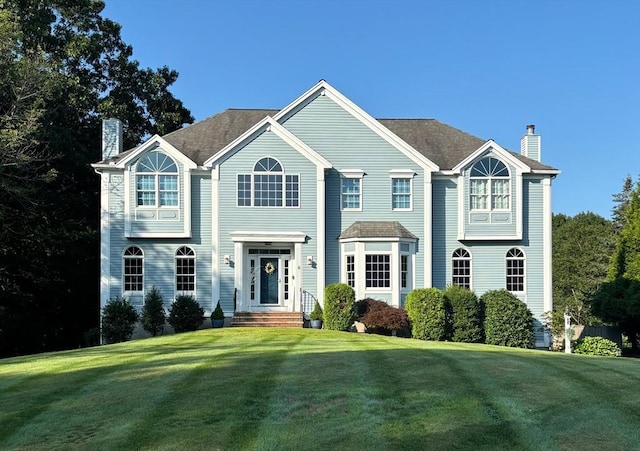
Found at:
[269, 280]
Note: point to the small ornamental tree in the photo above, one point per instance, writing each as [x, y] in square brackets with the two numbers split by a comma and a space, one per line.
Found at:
[339, 303]
[466, 314]
[118, 320]
[380, 317]
[428, 314]
[185, 314]
[508, 321]
[152, 318]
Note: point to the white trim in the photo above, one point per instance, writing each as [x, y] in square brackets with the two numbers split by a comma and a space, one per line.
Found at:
[351, 174]
[321, 232]
[428, 232]
[469, 259]
[400, 174]
[524, 292]
[215, 236]
[498, 150]
[547, 250]
[152, 143]
[324, 88]
[193, 292]
[105, 240]
[268, 124]
[268, 237]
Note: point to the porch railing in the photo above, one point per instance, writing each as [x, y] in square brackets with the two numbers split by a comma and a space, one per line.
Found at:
[307, 303]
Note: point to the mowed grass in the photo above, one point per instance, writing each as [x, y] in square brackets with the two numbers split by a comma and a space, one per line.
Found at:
[292, 389]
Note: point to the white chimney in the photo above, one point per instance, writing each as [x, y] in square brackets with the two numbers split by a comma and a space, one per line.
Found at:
[530, 144]
[111, 138]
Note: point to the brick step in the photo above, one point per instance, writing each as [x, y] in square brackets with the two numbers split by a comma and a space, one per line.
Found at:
[267, 319]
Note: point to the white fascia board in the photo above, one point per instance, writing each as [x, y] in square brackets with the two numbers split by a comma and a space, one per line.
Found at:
[324, 88]
[268, 237]
[546, 171]
[378, 240]
[269, 124]
[491, 145]
[164, 146]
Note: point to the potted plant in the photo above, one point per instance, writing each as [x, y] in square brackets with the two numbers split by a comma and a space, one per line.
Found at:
[316, 317]
[217, 317]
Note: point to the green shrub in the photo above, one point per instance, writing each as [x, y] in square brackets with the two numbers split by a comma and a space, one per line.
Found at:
[596, 346]
[339, 300]
[466, 315]
[428, 314]
[153, 318]
[185, 314]
[217, 313]
[118, 320]
[508, 321]
[316, 313]
[380, 317]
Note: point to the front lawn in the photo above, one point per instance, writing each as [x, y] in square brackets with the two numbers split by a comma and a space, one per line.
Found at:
[291, 389]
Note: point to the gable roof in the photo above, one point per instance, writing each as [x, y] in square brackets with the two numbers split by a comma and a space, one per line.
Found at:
[442, 144]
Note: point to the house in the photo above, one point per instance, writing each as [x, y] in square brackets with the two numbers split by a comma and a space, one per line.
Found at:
[261, 209]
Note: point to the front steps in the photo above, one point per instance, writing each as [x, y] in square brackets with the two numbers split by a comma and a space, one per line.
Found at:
[267, 319]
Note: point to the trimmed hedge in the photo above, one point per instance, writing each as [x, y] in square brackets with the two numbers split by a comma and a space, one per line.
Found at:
[597, 346]
[185, 314]
[508, 321]
[339, 302]
[428, 313]
[118, 320]
[466, 315]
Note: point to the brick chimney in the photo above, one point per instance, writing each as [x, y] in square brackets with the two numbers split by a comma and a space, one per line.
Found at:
[111, 138]
[530, 144]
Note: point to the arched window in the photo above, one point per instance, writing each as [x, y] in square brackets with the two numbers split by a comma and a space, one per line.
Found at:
[156, 181]
[185, 270]
[461, 268]
[515, 270]
[133, 269]
[268, 186]
[489, 189]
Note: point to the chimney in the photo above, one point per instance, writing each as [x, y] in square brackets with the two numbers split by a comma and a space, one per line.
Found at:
[530, 144]
[111, 138]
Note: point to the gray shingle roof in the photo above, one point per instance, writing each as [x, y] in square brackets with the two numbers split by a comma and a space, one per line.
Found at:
[442, 144]
[376, 229]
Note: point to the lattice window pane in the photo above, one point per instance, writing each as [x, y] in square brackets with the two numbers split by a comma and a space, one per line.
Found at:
[401, 194]
[378, 271]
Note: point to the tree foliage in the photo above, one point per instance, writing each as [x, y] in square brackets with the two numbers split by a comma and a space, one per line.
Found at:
[582, 246]
[118, 321]
[428, 313]
[153, 316]
[63, 67]
[339, 306]
[466, 314]
[618, 300]
[185, 314]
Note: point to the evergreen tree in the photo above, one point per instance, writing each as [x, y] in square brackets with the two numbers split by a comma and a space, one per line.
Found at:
[153, 317]
[621, 200]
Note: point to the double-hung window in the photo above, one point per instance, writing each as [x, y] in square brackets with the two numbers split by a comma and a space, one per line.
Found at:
[185, 270]
[515, 270]
[401, 189]
[489, 185]
[133, 269]
[268, 186]
[351, 189]
[156, 181]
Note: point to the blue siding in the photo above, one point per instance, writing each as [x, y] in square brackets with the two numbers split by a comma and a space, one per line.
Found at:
[349, 144]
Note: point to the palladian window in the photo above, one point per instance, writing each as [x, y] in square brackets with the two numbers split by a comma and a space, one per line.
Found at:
[156, 181]
[489, 185]
[268, 186]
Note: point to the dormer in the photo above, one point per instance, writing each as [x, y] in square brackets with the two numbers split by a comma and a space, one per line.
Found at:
[490, 194]
[157, 191]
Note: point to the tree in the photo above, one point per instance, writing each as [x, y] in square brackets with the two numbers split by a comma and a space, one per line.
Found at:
[621, 200]
[618, 300]
[63, 68]
[118, 321]
[185, 314]
[153, 318]
[507, 321]
[582, 248]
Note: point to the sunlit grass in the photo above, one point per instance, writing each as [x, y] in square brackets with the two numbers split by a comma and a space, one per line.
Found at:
[308, 389]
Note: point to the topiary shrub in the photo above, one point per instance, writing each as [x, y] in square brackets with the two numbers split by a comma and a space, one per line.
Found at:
[152, 318]
[466, 315]
[428, 314]
[316, 314]
[597, 346]
[339, 301]
[118, 320]
[185, 314]
[507, 321]
[380, 317]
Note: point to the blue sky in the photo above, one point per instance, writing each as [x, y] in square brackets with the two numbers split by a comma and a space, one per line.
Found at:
[571, 67]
